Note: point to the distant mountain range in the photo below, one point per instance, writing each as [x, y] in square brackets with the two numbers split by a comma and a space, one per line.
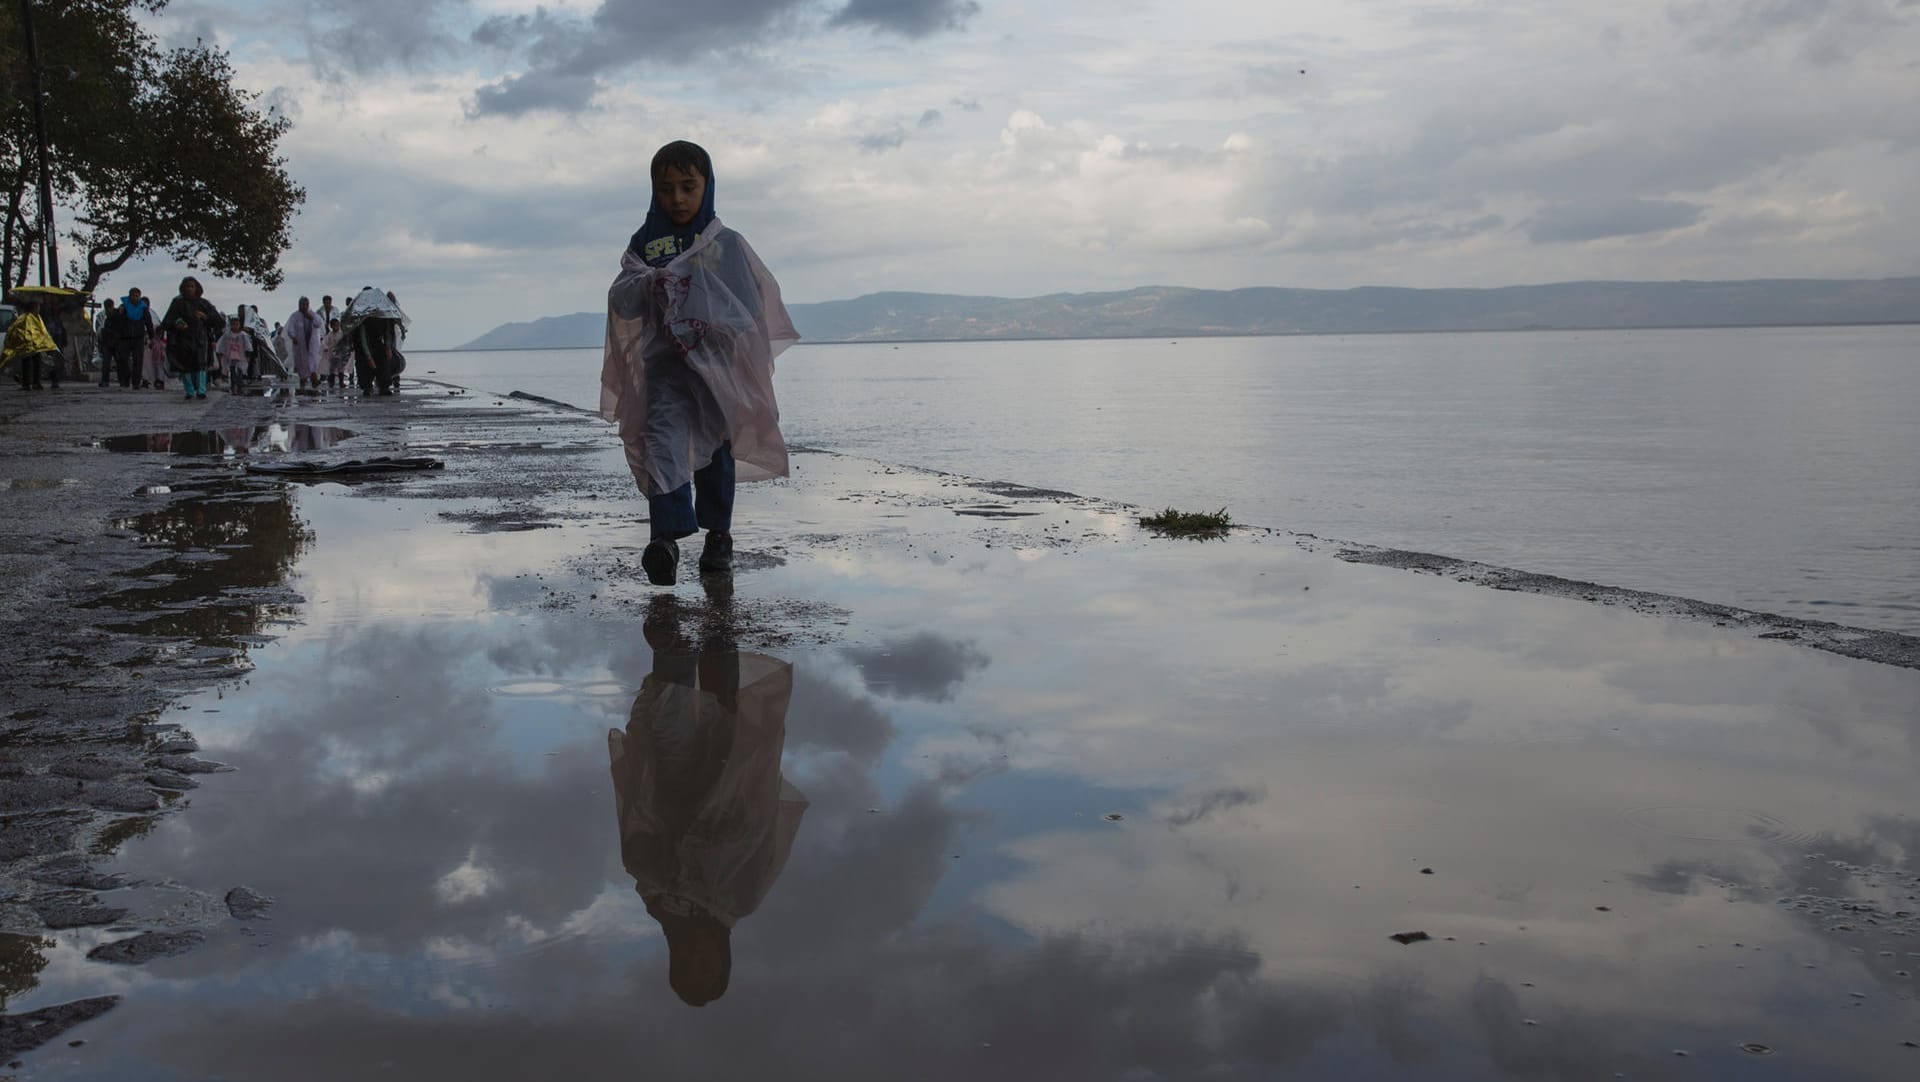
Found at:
[1168, 312]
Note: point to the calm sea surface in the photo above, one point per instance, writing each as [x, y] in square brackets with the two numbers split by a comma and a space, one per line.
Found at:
[1771, 469]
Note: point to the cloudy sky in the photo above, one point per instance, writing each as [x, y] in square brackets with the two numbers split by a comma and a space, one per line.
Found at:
[487, 159]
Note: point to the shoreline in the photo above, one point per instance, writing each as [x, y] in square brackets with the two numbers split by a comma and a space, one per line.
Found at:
[1881, 645]
[1255, 334]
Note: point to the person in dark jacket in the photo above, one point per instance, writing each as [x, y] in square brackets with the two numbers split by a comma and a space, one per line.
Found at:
[374, 355]
[125, 337]
[121, 339]
[191, 322]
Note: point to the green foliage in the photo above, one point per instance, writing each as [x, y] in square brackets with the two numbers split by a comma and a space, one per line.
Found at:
[153, 151]
[1197, 525]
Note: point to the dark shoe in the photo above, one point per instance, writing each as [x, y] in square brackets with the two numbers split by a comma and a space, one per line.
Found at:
[660, 560]
[716, 556]
[201, 395]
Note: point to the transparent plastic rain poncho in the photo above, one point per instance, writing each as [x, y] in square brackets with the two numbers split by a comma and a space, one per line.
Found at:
[263, 352]
[710, 323]
[303, 339]
[721, 848]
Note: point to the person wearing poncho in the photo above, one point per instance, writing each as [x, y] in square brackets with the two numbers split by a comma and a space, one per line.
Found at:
[234, 354]
[265, 358]
[694, 322]
[304, 329]
[373, 326]
[27, 340]
[335, 358]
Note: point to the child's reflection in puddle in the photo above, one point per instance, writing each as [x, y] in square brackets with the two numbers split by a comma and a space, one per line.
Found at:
[706, 820]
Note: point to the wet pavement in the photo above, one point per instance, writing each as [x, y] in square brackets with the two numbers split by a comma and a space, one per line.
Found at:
[240, 440]
[953, 780]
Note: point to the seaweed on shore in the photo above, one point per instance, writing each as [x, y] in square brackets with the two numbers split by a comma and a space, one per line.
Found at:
[1198, 525]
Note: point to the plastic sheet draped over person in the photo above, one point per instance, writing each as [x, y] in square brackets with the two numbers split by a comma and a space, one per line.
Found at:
[371, 303]
[74, 338]
[264, 355]
[26, 338]
[717, 309]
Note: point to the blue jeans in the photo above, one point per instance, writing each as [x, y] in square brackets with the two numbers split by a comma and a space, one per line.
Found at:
[194, 382]
[705, 503]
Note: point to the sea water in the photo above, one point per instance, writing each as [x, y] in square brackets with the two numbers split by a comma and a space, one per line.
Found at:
[1773, 469]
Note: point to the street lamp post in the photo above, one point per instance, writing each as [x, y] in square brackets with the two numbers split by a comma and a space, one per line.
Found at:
[50, 252]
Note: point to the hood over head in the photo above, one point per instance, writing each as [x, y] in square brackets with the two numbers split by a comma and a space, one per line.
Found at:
[658, 224]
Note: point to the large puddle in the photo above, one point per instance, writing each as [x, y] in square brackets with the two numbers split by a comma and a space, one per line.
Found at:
[230, 547]
[1130, 812]
[244, 440]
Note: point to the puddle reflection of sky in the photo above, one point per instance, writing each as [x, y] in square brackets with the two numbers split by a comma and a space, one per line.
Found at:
[241, 440]
[1608, 805]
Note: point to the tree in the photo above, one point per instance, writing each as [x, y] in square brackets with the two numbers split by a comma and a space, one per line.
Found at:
[90, 68]
[200, 178]
[153, 151]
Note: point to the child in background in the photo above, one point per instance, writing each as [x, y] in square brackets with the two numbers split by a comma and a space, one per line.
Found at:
[232, 352]
[153, 371]
[694, 322]
[330, 364]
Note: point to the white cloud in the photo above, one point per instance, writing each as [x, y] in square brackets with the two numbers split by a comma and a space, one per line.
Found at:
[1081, 145]
[469, 882]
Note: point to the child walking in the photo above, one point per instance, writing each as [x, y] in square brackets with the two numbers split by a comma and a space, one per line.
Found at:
[694, 322]
[333, 366]
[233, 352]
[154, 370]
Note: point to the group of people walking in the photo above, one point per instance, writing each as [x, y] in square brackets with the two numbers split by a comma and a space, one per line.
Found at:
[192, 340]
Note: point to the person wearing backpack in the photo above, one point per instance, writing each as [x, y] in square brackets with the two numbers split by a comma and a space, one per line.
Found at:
[123, 337]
